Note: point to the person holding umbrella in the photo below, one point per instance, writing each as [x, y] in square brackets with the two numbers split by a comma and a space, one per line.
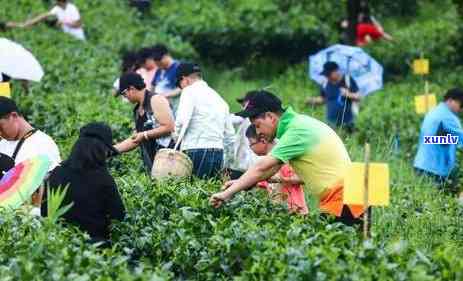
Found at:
[66, 13]
[309, 146]
[338, 95]
[332, 69]
[20, 141]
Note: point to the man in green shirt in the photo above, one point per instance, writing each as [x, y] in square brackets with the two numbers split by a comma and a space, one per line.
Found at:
[311, 147]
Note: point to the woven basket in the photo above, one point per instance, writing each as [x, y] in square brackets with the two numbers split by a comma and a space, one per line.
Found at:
[171, 163]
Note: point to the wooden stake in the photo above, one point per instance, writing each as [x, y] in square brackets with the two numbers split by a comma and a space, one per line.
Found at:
[365, 196]
[426, 95]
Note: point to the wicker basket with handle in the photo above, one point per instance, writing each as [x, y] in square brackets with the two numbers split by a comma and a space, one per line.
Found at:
[171, 162]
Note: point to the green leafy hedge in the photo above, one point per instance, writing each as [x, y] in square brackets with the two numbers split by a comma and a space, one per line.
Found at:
[234, 31]
[171, 233]
[435, 37]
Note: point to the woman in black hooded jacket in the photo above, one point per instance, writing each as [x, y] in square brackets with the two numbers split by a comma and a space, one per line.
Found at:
[92, 190]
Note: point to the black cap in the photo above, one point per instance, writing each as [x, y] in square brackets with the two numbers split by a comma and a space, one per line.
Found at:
[100, 131]
[185, 69]
[329, 67]
[246, 97]
[261, 102]
[131, 79]
[7, 106]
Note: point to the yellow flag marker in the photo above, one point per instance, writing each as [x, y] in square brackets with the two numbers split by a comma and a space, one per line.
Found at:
[421, 66]
[378, 184]
[5, 89]
[425, 103]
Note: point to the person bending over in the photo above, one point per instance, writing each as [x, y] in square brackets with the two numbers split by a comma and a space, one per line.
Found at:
[67, 15]
[285, 181]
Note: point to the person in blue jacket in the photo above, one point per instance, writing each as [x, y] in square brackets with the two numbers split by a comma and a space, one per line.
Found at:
[440, 136]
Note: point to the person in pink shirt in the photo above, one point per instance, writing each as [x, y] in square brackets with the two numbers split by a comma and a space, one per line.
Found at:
[148, 66]
[284, 185]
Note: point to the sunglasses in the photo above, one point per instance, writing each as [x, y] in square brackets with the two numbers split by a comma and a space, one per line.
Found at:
[124, 93]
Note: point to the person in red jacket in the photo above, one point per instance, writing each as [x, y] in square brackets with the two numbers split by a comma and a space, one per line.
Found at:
[368, 30]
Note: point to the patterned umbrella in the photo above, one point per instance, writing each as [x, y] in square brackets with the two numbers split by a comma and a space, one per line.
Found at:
[352, 61]
[21, 181]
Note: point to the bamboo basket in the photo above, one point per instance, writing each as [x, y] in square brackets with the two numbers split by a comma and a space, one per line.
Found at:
[171, 163]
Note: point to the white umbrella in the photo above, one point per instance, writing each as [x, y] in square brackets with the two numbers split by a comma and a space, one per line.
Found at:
[18, 63]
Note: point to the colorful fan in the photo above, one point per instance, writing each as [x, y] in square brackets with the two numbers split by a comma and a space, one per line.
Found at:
[19, 183]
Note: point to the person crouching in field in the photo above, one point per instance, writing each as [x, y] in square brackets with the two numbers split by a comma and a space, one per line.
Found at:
[438, 160]
[285, 181]
[311, 147]
[91, 188]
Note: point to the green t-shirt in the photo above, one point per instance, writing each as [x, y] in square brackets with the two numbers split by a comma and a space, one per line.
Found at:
[313, 149]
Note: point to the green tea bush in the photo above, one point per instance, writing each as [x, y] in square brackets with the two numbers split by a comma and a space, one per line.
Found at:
[171, 232]
[32, 249]
[404, 8]
[173, 225]
[437, 38]
[233, 31]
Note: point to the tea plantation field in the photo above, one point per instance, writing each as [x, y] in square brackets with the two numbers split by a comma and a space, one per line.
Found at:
[171, 232]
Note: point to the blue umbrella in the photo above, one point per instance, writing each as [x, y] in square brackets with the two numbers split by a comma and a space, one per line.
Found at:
[352, 61]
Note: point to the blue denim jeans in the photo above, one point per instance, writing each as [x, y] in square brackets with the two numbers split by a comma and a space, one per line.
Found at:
[207, 163]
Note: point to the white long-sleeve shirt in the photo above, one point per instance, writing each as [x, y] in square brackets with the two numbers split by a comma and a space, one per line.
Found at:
[243, 156]
[206, 117]
[68, 15]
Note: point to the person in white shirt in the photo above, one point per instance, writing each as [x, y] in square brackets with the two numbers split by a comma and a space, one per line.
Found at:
[66, 13]
[203, 124]
[243, 156]
[20, 141]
